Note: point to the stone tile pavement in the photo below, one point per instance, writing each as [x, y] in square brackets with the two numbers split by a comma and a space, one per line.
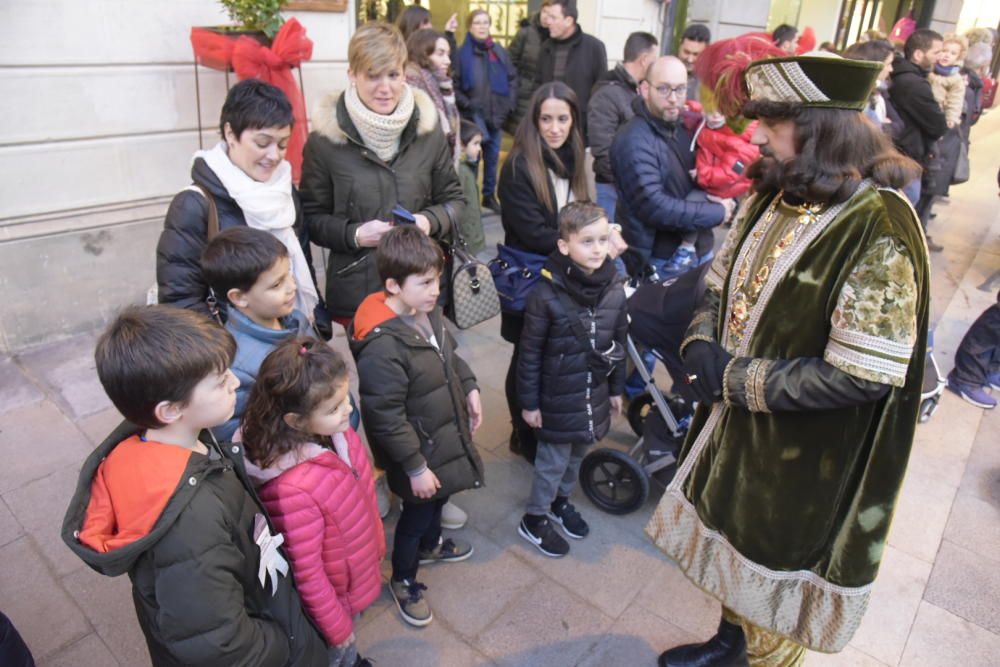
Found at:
[614, 600]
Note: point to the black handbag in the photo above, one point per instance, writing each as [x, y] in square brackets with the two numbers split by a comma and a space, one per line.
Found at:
[473, 294]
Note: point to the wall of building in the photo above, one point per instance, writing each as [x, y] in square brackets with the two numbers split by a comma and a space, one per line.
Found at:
[726, 18]
[100, 125]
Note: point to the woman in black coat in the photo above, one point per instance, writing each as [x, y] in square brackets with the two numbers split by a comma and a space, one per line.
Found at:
[486, 92]
[545, 171]
[247, 180]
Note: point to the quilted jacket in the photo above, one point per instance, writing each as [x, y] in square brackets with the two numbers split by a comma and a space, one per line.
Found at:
[325, 507]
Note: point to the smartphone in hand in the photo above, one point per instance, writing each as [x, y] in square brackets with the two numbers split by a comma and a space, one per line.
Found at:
[401, 216]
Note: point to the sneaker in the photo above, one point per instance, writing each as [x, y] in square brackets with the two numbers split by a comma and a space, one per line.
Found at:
[993, 380]
[972, 394]
[491, 203]
[452, 516]
[410, 601]
[447, 551]
[564, 514]
[682, 261]
[539, 531]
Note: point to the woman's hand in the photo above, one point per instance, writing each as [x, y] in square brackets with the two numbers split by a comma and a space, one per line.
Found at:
[616, 244]
[532, 418]
[425, 485]
[370, 233]
[475, 410]
[452, 24]
[422, 222]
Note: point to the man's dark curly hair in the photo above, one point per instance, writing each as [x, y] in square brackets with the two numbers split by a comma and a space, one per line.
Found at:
[835, 149]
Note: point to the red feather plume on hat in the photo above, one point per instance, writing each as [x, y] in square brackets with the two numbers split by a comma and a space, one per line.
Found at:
[722, 64]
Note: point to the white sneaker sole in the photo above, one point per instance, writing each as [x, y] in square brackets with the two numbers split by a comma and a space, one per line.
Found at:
[415, 622]
[459, 559]
[557, 521]
[537, 543]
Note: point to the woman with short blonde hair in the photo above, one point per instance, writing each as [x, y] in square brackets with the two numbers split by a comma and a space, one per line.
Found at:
[374, 147]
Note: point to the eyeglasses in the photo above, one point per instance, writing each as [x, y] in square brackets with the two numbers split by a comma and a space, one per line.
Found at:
[667, 92]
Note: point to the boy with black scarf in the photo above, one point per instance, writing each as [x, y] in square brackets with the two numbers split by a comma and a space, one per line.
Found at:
[571, 370]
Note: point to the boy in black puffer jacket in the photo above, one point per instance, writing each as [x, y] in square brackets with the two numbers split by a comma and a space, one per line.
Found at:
[571, 371]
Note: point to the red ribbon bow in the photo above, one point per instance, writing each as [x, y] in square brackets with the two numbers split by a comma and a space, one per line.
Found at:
[252, 60]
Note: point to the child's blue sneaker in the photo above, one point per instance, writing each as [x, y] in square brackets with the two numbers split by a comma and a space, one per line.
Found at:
[682, 261]
[977, 396]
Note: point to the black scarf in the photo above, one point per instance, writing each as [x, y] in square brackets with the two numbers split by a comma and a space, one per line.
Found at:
[585, 288]
[561, 161]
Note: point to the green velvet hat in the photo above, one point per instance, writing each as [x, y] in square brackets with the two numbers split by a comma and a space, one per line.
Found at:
[816, 79]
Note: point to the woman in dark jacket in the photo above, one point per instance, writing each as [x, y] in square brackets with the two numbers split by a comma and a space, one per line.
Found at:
[545, 171]
[374, 147]
[429, 69]
[249, 183]
[486, 92]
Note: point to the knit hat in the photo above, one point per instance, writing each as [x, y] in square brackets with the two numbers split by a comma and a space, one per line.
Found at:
[816, 79]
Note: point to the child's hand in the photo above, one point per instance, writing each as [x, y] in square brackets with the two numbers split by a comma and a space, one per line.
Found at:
[616, 405]
[532, 418]
[347, 642]
[452, 24]
[475, 410]
[425, 485]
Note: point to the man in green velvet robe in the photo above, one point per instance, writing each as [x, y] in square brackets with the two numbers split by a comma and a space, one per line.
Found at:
[807, 356]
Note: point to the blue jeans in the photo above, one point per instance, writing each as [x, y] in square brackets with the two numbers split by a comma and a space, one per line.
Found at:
[491, 154]
[912, 191]
[607, 198]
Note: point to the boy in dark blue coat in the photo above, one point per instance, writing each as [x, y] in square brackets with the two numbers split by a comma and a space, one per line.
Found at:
[571, 371]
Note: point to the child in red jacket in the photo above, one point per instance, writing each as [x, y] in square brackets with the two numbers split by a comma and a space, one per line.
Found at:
[316, 483]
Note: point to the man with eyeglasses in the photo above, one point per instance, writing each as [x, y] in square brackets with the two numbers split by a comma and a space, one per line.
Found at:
[666, 220]
[662, 212]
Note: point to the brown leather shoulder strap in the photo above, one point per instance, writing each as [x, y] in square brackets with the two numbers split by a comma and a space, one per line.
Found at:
[213, 213]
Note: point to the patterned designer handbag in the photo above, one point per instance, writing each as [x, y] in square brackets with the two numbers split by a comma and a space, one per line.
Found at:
[473, 294]
[515, 273]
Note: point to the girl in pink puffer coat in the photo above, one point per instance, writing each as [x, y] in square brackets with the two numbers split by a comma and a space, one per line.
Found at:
[316, 481]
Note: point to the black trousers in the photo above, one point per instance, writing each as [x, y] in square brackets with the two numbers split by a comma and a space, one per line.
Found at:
[978, 354]
[418, 529]
[13, 651]
[525, 434]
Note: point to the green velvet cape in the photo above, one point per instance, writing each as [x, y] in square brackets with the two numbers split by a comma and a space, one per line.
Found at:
[783, 517]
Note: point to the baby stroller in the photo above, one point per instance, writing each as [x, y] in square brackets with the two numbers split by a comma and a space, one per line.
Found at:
[934, 383]
[659, 313]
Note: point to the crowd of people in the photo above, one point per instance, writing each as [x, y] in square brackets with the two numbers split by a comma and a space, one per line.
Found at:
[240, 497]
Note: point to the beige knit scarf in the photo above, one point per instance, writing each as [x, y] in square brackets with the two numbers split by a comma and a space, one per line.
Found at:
[380, 132]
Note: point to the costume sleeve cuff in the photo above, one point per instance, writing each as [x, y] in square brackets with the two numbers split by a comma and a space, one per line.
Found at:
[868, 357]
[692, 338]
[743, 383]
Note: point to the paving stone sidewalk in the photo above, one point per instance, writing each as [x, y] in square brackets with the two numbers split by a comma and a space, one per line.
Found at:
[614, 600]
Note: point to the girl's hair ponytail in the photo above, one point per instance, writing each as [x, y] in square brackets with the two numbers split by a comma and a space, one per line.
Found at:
[299, 374]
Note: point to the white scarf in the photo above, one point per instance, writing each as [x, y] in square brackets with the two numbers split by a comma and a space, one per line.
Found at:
[380, 132]
[267, 206]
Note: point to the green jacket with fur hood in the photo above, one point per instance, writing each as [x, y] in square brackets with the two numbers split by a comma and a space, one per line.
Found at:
[345, 184]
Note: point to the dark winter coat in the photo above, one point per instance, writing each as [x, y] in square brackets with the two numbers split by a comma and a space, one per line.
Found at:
[586, 64]
[480, 98]
[344, 184]
[610, 107]
[178, 252]
[527, 225]
[923, 119]
[524, 51]
[652, 161]
[554, 373]
[413, 401]
[194, 575]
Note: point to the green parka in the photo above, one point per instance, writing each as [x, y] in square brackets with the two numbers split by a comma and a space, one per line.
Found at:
[345, 184]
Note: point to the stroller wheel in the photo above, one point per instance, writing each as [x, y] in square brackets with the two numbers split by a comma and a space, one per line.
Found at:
[927, 408]
[614, 481]
[638, 408]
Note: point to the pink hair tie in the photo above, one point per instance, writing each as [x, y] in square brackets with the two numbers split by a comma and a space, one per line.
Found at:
[303, 350]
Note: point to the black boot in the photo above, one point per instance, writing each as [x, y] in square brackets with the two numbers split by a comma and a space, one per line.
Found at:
[728, 648]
